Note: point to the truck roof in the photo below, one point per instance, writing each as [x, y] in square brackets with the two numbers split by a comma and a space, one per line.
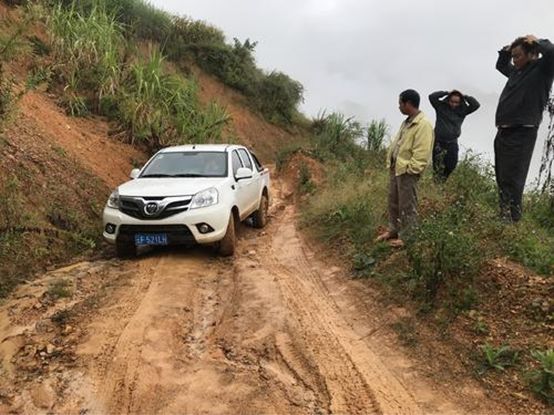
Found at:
[201, 147]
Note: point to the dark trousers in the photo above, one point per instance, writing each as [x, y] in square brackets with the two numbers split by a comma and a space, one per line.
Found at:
[513, 149]
[402, 201]
[445, 159]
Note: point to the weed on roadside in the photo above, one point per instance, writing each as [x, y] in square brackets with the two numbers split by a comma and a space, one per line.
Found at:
[541, 380]
[498, 358]
[406, 330]
[444, 252]
[307, 186]
[60, 288]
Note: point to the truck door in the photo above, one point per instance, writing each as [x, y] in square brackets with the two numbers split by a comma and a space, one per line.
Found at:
[253, 184]
[241, 186]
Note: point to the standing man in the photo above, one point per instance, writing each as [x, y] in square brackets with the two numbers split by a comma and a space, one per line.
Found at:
[451, 108]
[519, 114]
[407, 157]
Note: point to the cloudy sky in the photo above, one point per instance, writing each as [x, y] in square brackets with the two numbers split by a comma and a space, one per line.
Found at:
[356, 56]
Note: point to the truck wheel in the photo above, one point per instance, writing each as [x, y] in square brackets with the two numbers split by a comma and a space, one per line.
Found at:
[126, 250]
[227, 244]
[259, 218]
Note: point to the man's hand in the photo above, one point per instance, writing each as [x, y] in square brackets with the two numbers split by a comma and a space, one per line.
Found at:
[531, 39]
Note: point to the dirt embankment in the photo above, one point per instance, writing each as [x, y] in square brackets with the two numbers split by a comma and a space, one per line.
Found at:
[276, 330]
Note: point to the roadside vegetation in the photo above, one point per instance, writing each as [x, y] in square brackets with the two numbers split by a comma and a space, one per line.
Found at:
[185, 41]
[447, 270]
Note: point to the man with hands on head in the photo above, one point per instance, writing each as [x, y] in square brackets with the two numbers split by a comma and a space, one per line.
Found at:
[451, 107]
[528, 63]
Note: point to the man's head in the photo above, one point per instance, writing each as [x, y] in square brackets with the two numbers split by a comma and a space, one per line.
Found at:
[523, 52]
[454, 99]
[408, 102]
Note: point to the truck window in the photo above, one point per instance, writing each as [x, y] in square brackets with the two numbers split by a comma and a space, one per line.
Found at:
[237, 164]
[245, 159]
[257, 162]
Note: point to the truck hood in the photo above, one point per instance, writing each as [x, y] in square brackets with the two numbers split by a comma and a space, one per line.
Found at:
[165, 187]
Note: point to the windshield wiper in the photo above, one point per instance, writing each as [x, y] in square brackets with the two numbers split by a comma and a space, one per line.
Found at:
[156, 175]
[188, 175]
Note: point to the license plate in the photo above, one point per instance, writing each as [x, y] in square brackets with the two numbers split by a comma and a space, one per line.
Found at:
[150, 239]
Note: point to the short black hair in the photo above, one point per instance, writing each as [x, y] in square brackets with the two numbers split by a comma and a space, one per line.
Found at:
[525, 45]
[411, 96]
[456, 93]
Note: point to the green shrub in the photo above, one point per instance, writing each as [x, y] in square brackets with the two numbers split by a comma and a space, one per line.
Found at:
[540, 208]
[498, 358]
[305, 180]
[347, 211]
[529, 245]
[542, 378]
[60, 288]
[443, 251]
[187, 32]
[278, 97]
[473, 181]
[233, 64]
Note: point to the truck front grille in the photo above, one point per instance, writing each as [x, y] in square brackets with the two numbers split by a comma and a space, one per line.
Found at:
[140, 207]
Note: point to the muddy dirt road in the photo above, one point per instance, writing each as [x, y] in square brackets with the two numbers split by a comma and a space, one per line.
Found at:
[277, 330]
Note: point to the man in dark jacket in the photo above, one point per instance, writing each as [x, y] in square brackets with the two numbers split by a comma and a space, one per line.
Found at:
[529, 65]
[451, 108]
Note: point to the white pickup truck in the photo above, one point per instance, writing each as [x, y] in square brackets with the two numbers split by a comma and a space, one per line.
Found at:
[193, 194]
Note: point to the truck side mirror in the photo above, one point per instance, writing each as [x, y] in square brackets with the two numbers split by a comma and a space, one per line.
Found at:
[243, 173]
[134, 173]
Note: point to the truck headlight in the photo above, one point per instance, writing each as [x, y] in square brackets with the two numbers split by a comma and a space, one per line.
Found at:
[204, 198]
[113, 200]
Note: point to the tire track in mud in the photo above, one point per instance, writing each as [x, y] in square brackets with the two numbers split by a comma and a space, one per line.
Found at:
[356, 380]
[169, 329]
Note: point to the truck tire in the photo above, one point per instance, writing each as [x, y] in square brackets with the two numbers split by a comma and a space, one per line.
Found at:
[228, 243]
[126, 250]
[259, 217]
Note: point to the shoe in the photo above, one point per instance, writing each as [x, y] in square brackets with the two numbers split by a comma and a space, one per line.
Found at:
[396, 243]
[385, 236]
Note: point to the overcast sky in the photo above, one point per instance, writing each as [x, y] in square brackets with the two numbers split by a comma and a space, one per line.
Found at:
[356, 56]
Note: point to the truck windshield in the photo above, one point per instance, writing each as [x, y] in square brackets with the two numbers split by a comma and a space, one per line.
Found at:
[187, 164]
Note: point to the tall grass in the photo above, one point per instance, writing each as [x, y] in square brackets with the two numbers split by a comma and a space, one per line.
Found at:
[336, 136]
[99, 73]
[86, 49]
[162, 109]
[376, 133]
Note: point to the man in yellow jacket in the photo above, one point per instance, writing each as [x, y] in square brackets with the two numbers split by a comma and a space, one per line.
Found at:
[407, 158]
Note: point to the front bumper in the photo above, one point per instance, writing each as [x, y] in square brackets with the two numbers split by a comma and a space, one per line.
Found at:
[180, 228]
